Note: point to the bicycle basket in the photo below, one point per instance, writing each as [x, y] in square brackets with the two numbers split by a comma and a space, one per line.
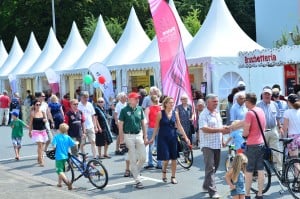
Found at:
[51, 154]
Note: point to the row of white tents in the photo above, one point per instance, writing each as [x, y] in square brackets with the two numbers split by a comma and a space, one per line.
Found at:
[213, 51]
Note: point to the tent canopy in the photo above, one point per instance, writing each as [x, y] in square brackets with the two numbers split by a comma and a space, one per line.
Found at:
[3, 53]
[219, 36]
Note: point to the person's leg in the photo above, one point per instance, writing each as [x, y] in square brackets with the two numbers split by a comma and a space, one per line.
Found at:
[274, 143]
[164, 170]
[40, 153]
[130, 143]
[92, 137]
[173, 171]
[140, 152]
[6, 114]
[248, 182]
[150, 159]
[106, 151]
[99, 151]
[209, 161]
[50, 135]
[1, 115]
[261, 178]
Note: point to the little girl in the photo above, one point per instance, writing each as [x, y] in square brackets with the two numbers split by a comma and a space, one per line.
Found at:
[235, 177]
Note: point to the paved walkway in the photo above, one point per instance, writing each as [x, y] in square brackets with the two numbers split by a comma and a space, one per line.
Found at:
[16, 184]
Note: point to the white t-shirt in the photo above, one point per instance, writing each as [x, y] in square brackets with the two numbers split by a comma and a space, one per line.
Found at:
[119, 107]
[88, 112]
[293, 116]
[43, 108]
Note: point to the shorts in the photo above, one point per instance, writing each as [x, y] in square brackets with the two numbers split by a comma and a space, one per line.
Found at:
[90, 134]
[17, 141]
[39, 136]
[60, 166]
[255, 155]
[295, 144]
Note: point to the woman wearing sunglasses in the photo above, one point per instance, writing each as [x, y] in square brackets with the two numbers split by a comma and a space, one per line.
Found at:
[103, 136]
[37, 129]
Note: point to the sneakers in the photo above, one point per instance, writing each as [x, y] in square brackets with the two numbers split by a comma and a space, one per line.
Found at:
[215, 195]
[119, 153]
[148, 167]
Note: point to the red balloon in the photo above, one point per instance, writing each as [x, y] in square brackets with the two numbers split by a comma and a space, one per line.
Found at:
[101, 79]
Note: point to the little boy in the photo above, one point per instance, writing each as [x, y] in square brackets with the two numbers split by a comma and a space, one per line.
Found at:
[17, 132]
[62, 142]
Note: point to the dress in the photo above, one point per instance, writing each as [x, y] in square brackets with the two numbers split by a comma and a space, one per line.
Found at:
[58, 118]
[239, 186]
[104, 137]
[167, 138]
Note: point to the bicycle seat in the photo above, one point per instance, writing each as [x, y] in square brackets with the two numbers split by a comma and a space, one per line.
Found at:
[286, 141]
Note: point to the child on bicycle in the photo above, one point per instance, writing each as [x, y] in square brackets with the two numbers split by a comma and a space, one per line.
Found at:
[17, 132]
[62, 142]
[235, 177]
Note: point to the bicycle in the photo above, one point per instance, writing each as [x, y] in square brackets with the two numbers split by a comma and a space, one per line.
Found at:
[186, 157]
[94, 170]
[289, 177]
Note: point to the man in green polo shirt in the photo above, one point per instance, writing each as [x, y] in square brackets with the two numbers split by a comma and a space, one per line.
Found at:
[132, 131]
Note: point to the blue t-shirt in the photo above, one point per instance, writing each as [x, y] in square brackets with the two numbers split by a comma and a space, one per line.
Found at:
[237, 139]
[62, 143]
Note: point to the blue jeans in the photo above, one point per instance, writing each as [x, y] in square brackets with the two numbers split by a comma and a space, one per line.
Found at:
[150, 159]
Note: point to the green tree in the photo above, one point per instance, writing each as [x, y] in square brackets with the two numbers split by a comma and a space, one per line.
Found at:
[191, 22]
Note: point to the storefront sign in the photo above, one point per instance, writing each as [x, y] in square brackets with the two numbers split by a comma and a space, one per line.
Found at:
[270, 57]
[290, 77]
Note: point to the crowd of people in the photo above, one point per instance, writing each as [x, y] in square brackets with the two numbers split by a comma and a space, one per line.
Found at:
[138, 120]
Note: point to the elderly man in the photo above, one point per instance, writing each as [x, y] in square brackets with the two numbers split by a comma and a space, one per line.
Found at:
[4, 107]
[88, 111]
[272, 114]
[132, 130]
[212, 130]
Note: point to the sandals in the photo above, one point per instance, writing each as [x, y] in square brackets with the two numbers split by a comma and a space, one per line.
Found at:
[59, 185]
[127, 173]
[173, 180]
[139, 185]
[164, 179]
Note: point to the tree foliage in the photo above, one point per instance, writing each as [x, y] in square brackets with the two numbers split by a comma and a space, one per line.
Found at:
[20, 17]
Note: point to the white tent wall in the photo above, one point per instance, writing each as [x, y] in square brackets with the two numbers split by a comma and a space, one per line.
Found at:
[3, 53]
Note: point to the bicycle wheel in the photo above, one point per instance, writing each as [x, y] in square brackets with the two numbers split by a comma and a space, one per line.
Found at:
[186, 157]
[69, 170]
[292, 177]
[228, 163]
[97, 174]
[267, 180]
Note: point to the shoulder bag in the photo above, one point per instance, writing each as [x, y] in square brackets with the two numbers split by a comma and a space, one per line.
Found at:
[267, 149]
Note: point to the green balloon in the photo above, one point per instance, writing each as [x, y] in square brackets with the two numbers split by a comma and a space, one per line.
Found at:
[87, 79]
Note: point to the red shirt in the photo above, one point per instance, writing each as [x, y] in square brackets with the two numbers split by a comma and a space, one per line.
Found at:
[255, 136]
[66, 105]
[4, 101]
[153, 110]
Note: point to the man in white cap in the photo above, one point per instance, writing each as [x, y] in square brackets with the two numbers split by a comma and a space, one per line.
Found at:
[242, 91]
[272, 114]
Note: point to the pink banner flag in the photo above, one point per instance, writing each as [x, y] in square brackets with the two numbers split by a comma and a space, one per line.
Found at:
[173, 65]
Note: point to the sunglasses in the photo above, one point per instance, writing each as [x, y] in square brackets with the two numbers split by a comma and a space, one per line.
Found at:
[43, 96]
[37, 104]
[100, 101]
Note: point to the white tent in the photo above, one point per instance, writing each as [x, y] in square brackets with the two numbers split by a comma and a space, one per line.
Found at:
[98, 49]
[132, 42]
[31, 54]
[149, 58]
[71, 52]
[48, 55]
[3, 53]
[11, 61]
[216, 46]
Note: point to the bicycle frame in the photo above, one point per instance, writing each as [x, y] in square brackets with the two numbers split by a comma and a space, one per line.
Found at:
[80, 165]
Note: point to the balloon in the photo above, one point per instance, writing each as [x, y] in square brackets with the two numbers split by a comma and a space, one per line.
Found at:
[87, 79]
[101, 79]
[96, 84]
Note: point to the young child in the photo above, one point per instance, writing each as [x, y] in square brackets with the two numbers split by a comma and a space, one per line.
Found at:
[62, 142]
[17, 132]
[235, 177]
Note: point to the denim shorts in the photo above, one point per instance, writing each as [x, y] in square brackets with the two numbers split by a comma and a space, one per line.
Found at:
[17, 141]
[255, 154]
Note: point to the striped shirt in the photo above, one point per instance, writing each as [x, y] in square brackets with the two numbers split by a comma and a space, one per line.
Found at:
[211, 120]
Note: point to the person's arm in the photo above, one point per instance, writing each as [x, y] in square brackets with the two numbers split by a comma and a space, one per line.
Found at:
[156, 127]
[228, 179]
[147, 111]
[180, 128]
[223, 130]
[285, 126]
[30, 124]
[121, 133]
[49, 116]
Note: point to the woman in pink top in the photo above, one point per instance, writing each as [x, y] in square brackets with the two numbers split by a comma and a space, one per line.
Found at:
[255, 144]
[151, 113]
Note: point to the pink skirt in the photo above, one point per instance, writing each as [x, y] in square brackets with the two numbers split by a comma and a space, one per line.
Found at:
[39, 136]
